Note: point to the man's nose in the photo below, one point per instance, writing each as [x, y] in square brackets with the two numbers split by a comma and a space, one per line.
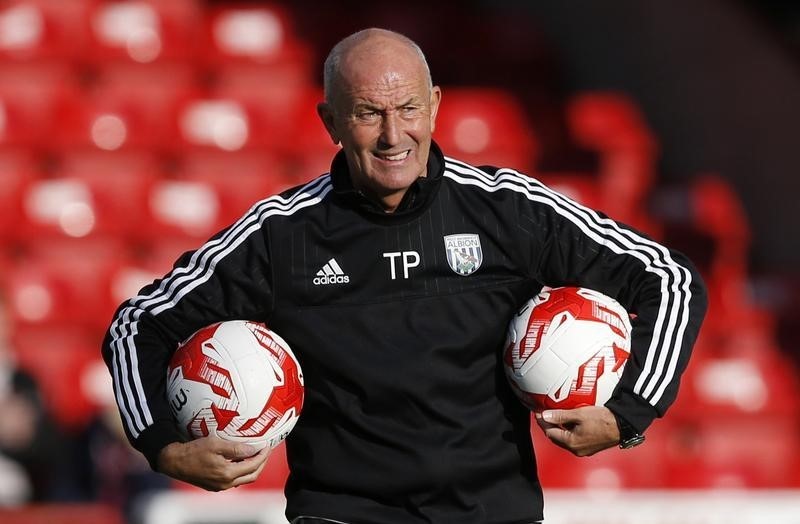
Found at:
[390, 132]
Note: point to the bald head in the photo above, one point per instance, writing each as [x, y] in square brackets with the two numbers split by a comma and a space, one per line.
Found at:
[381, 107]
[367, 45]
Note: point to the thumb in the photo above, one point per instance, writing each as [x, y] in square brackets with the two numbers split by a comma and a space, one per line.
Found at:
[239, 451]
[558, 417]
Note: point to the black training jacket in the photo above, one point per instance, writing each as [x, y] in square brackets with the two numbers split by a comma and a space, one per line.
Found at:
[408, 417]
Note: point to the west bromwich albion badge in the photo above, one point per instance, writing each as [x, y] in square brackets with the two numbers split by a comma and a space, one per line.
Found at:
[464, 253]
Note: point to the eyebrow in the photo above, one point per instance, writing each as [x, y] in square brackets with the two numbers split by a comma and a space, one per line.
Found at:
[371, 106]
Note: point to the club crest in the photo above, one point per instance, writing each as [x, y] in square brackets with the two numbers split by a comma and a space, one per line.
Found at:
[464, 253]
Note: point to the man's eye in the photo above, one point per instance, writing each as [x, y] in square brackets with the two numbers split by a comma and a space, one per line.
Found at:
[367, 115]
[409, 109]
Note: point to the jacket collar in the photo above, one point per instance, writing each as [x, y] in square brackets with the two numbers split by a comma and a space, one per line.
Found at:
[416, 198]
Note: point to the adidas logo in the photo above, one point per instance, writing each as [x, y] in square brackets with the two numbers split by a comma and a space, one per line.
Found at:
[331, 273]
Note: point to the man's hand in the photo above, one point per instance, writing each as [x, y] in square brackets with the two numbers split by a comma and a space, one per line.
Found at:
[583, 431]
[212, 463]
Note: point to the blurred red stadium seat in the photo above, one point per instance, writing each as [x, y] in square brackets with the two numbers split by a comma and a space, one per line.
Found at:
[143, 31]
[718, 213]
[254, 57]
[92, 194]
[256, 60]
[611, 125]
[29, 100]
[38, 76]
[160, 254]
[128, 107]
[728, 452]
[239, 32]
[108, 123]
[164, 78]
[311, 149]
[65, 283]
[32, 30]
[211, 190]
[756, 383]
[581, 187]
[234, 119]
[737, 422]
[224, 124]
[18, 169]
[58, 358]
[604, 121]
[486, 126]
[706, 220]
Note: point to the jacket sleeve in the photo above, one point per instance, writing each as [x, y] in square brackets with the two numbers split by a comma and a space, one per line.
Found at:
[574, 245]
[227, 278]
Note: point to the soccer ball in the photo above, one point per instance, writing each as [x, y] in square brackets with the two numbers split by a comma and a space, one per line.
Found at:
[567, 348]
[238, 380]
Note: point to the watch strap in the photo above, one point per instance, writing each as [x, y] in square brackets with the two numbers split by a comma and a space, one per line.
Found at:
[628, 435]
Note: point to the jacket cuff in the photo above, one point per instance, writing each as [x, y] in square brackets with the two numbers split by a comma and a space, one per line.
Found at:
[154, 438]
[634, 409]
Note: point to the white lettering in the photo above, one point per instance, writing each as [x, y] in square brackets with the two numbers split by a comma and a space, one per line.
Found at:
[391, 256]
[410, 259]
[462, 243]
[332, 279]
[407, 256]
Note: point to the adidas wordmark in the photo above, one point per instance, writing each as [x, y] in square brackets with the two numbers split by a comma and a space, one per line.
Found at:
[331, 273]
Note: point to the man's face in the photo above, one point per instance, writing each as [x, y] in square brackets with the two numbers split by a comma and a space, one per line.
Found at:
[383, 114]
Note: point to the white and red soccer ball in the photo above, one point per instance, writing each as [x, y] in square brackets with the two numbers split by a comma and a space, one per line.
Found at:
[566, 348]
[238, 380]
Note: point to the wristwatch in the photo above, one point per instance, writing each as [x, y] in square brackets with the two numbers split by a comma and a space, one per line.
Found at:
[628, 436]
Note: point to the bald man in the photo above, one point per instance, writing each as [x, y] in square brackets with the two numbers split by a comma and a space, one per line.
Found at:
[407, 416]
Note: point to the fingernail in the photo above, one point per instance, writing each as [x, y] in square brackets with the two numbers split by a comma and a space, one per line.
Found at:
[548, 416]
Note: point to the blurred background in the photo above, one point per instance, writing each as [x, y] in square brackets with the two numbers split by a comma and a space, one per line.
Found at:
[132, 130]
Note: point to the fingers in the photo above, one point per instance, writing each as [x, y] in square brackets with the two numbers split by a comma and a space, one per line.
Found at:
[243, 464]
[238, 451]
[559, 435]
[562, 417]
[214, 464]
[582, 431]
[552, 428]
[261, 460]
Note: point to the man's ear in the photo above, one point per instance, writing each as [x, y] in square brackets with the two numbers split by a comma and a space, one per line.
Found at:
[436, 97]
[325, 113]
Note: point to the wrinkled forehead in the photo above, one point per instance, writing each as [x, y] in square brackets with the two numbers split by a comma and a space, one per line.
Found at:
[388, 87]
[381, 68]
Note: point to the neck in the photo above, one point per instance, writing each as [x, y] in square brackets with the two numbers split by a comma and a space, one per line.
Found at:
[388, 201]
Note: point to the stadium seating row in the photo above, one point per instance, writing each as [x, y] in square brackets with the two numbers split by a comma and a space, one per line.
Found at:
[107, 156]
[126, 196]
[146, 31]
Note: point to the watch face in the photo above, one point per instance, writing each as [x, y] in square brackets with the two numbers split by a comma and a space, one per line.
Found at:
[631, 442]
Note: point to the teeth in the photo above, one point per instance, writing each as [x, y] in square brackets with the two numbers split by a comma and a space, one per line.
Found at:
[400, 156]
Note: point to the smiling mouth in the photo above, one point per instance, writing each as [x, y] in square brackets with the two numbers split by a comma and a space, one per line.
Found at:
[399, 157]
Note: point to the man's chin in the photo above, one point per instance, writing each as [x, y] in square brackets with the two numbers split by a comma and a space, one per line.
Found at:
[393, 182]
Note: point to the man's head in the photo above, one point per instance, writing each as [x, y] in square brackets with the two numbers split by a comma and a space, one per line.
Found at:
[381, 106]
